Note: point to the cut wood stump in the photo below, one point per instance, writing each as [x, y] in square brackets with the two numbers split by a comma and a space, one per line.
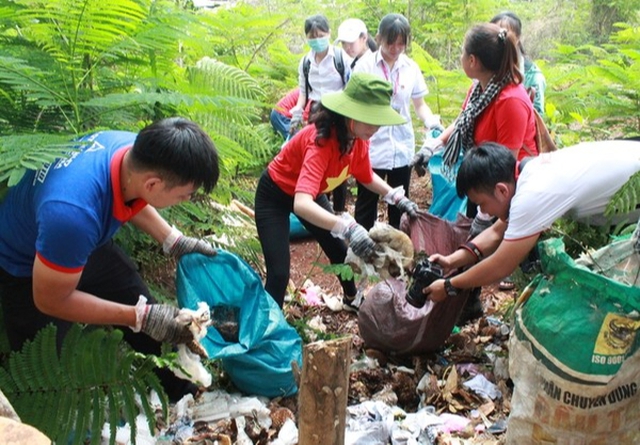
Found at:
[324, 387]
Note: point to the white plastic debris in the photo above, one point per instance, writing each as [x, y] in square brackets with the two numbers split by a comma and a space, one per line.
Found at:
[483, 387]
[288, 434]
[123, 433]
[369, 423]
[200, 319]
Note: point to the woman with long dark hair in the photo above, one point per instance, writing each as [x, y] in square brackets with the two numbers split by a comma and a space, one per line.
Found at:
[393, 147]
[315, 161]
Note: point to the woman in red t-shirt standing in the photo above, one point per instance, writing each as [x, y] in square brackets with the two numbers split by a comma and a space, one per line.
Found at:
[497, 108]
[315, 161]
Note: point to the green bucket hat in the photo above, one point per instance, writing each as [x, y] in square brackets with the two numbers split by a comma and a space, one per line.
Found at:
[366, 98]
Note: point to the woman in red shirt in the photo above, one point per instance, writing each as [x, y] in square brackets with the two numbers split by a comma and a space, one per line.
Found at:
[315, 161]
[497, 108]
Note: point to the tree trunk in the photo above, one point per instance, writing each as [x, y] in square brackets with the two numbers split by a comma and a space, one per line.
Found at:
[324, 387]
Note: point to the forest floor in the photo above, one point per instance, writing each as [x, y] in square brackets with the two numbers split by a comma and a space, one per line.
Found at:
[476, 348]
[472, 348]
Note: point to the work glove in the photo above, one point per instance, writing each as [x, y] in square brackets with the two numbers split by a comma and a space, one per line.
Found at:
[176, 245]
[357, 236]
[480, 223]
[396, 197]
[165, 323]
[160, 322]
[296, 120]
[422, 157]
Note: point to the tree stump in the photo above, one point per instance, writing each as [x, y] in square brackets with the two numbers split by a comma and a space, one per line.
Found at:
[324, 387]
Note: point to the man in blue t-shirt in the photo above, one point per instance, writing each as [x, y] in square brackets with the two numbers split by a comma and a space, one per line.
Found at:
[58, 263]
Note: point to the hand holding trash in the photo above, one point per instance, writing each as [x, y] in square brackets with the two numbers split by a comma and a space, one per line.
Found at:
[165, 323]
[422, 157]
[357, 236]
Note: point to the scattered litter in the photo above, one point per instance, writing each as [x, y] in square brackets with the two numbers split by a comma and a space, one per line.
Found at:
[484, 387]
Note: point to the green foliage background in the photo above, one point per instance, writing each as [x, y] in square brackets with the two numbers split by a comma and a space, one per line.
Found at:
[69, 67]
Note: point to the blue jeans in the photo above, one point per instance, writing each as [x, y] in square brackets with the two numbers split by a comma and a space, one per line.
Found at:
[280, 123]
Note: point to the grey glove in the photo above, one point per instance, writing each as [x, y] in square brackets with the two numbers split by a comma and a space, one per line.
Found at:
[407, 206]
[187, 244]
[176, 245]
[160, 323]
[422, 157]
[479, 225]
[296, 121]
[420, 160]
[360, 241]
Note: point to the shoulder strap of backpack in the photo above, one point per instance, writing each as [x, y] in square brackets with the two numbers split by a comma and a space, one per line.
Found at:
[306, 66]
[338, 62]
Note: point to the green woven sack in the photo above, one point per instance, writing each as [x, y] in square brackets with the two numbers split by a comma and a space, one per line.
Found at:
[580, 324]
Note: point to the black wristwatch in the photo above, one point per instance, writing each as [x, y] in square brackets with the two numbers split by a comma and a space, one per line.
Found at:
[450, 289]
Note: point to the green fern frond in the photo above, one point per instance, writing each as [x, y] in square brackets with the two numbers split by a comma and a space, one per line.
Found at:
[70, 29]
[34, 83]
[95, 379]
[30, 152]
[627, 198]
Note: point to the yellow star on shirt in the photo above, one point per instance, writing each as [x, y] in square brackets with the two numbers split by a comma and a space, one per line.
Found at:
[335, 182]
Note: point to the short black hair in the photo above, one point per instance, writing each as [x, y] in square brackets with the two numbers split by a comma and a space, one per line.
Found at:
[179, 151]
[485, 166]
[316, 22]
[393, 26]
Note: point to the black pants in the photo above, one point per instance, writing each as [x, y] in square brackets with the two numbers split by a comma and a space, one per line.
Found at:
[109, 274]
[366, 212]
[339, 197]
[273, 207]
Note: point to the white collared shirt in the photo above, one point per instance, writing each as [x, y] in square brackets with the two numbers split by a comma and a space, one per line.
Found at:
[394, 146]
[323, 76]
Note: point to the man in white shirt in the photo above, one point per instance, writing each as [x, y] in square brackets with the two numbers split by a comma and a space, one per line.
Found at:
[576, 181]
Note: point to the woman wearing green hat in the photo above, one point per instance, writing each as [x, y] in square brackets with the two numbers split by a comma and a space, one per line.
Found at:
[315, 161]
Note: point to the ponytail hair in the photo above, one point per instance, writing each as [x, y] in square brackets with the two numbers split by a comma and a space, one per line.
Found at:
[496, 49]
[327, 122]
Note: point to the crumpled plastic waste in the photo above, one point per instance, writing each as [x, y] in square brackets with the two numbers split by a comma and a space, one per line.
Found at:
[288, 434]
[452, 423]
[311, 293]
[483, 387]
[191, 363]
[374, 422]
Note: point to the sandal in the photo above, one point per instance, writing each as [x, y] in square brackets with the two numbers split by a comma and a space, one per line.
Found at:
[507, 284]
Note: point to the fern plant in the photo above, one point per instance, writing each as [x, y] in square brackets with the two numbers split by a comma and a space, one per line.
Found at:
[94, 379]
[627, 198]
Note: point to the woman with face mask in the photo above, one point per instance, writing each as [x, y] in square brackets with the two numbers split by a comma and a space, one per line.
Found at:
[393, 147]
[323, 76]
[315, 161]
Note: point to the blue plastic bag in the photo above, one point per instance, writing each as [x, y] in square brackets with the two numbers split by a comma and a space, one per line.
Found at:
[296, 229]
[258, 354]
[445, 203]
